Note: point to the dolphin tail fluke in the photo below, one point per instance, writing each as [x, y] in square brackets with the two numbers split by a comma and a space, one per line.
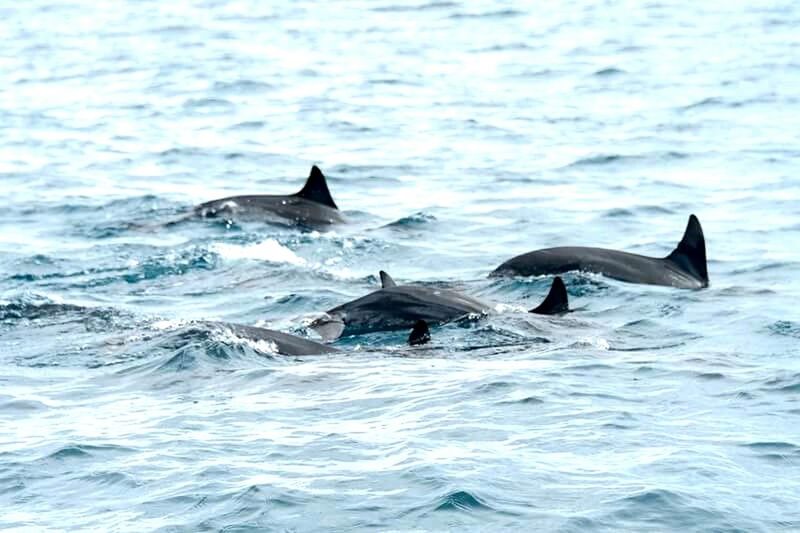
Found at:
[690, 255]
[556, 301]
[420, 334]
[316, 189]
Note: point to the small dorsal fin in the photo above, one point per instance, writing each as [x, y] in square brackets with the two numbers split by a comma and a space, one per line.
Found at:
[690, 255]
[316, 189]
[420, 334]
[556, 301]
[387, 281]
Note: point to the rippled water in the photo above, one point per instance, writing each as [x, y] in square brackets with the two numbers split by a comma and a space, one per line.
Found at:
[454, 135]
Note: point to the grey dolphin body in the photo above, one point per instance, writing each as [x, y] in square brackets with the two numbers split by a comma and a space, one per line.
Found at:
[312, 205]
[555, 303]
[403, 306]
[283, 343]
[684, 268]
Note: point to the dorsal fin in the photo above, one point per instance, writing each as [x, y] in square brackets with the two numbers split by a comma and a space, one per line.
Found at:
[420, 334]
[690, 255]
[387, 281]
[316, 189]
[556, 301]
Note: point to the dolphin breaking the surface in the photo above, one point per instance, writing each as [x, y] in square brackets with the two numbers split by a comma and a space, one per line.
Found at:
[313, 205]
[395, 307]
[684, 268]
[281, 343]
[287, 344]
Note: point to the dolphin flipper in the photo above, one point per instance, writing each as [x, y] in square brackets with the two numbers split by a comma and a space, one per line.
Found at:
[316, 189]
[387, 281]
[556, 301]
[690, 255]
[420, 334]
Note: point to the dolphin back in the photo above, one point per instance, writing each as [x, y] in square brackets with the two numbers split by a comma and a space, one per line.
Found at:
[396, 307]
[685, 267]
[284, 343]
[313, 205]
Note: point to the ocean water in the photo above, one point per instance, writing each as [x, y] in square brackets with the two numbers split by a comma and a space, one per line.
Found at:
[455, 135]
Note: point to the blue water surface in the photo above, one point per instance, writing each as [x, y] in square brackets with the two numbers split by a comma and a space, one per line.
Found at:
[455, 135]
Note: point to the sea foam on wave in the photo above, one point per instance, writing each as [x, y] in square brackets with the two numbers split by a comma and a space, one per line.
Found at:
[268, 250]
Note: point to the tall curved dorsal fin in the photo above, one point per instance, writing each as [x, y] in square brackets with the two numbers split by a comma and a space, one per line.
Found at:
[556, 301]
[387, 281]
[316, 189]
[690, 255]
[420, 334]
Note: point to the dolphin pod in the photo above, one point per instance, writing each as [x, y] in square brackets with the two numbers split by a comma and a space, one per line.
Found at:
[313, 205]
[413, 306]
[390, 308]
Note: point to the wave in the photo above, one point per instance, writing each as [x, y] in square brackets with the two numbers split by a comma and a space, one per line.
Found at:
[774, 450]
[501, 13]
[85, 451]
[242, 87]
[662, 508]
[462, 500]
[430, 6]
[41, 308]
[192, 349]
[607, 159]
[785, 328]
[609, 71]
[414, 221]
[208, 106]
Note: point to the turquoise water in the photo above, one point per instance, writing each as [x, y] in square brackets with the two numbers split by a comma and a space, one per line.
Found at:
[455, 135]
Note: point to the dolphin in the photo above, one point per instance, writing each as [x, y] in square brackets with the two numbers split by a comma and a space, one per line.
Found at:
[287, 344]
[403, 306]
[281, 343]
[313, 205]
[684, 268]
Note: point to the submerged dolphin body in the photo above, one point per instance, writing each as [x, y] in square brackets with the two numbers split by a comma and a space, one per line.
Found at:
[282, 343]
[292, 345]
[403, 306]
[684, 268]
[313, 205]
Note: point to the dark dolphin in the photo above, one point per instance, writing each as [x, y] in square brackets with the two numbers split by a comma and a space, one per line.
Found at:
[402, 306]
[684, 268]
[283, 343]
[312, 205]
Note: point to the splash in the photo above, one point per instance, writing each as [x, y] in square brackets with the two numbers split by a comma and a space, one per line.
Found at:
[268, 250]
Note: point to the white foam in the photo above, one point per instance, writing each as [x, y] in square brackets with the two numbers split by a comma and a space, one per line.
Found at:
[509, 308]
[230, 338]
[168, 325]
[268, 250]
[595, 342]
